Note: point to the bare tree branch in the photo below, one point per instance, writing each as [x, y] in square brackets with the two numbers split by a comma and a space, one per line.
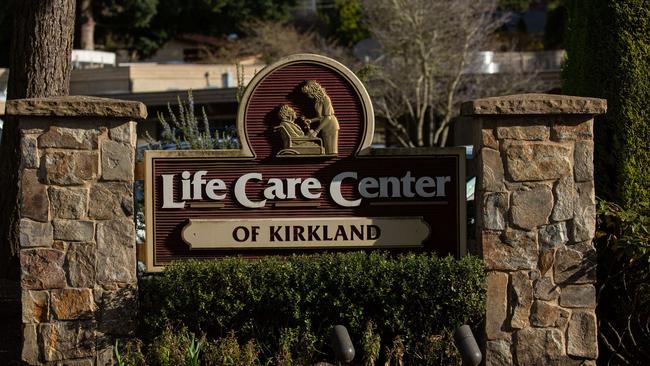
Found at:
[426, 67]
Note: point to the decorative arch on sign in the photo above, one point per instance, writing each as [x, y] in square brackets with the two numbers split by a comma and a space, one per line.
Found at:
[279, 84]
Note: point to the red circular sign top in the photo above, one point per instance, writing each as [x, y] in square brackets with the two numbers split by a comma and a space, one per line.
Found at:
[282, 85]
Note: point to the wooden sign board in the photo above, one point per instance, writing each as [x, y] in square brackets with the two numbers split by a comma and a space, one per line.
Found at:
[305, 180]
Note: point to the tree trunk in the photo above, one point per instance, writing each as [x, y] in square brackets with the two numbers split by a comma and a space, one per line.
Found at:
[39, 67]
[41, 48]
[87, 25]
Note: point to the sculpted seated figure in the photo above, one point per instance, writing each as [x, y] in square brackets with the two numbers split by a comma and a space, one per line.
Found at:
[294, 139]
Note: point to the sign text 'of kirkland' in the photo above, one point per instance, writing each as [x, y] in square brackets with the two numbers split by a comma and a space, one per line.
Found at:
[305, 179]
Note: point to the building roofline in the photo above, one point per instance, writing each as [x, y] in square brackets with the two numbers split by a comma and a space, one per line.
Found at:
[161, 98]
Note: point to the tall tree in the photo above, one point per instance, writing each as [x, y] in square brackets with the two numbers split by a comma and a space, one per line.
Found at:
[207, 17]
[40, 48]
[345, 21]
[143, 26]
[608, 56]
[273, 40]
[111, 22]
[515, 5]
[40, 66]
[5, 32]
[429, 63]
[86, 20]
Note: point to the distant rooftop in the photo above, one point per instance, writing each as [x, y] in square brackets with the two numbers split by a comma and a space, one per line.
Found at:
[150, 77]
[85, 59]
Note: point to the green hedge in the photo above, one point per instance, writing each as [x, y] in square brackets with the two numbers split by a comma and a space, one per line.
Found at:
[608, 56]
[411, 302]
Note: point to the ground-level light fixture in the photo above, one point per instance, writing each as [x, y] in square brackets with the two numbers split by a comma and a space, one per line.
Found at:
[342, 344]
[466, 344]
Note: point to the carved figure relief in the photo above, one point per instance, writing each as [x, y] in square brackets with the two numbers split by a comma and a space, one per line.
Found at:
[298, 140]
[294, 140]
[328, 125]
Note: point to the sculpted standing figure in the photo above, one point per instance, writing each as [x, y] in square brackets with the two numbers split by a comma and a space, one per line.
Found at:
[328, 125]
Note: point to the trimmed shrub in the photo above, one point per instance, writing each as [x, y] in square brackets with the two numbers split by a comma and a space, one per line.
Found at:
[608, 56]
[390, 304]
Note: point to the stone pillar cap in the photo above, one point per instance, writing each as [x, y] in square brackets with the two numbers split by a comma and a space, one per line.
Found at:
[519, 104]
[76, 106]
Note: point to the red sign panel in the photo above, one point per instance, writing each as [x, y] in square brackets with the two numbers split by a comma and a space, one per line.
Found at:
[305, 180]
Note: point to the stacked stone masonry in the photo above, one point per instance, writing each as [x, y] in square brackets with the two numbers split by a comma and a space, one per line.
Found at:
[536, 219]
[77, 234]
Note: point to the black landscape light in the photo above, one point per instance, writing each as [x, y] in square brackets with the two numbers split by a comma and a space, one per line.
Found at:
[342, 344]
[466, 344]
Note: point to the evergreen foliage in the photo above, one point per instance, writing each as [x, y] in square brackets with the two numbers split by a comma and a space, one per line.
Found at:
[514, 5]
[119, 22]
[403, 307]
[143, 26]
[608, 56]
[6, 27]
[206, 17]
[345, 21]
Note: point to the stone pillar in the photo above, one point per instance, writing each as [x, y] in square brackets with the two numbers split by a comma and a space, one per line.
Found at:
[535, 224]
[77, 232]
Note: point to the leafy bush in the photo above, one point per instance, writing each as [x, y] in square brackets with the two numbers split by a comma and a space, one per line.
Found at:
[406, 306]
[179, 347]
[129, 353]
[173, 348]
[228, 352]
[623, 245]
